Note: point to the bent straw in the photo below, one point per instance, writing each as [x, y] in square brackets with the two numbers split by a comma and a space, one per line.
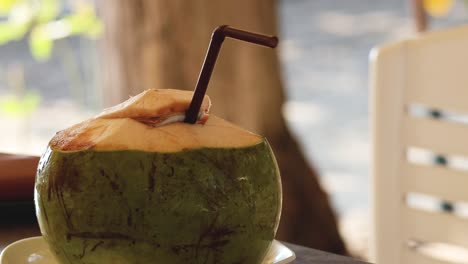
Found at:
[217, 38]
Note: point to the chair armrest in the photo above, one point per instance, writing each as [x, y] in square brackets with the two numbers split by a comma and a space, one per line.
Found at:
[17, 175]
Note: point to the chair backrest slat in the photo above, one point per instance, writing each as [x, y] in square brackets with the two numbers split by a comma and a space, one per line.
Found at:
[436, 181]
[412, 257]
[436, 135]
[434, 226]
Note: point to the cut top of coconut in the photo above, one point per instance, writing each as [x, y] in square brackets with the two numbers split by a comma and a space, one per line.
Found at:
[156, 103]
[153, 121]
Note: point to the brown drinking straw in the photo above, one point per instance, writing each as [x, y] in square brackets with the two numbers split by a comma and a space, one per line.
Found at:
[217, 38]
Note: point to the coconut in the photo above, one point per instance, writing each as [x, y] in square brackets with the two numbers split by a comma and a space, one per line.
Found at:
[135, 184]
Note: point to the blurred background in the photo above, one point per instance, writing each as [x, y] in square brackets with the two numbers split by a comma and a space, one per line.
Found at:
[50, 78]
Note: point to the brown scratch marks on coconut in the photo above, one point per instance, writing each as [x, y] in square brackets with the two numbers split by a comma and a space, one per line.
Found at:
[151, 176]
[83, 252]
[129, 218]
[43, 209]
[52, 184]
[220, 232]
[219, 237]
[215, 236]
[96, 246]
[56, 187]
[114, 185]
[172, 171]
[49, 188]
[72, 181]
[61, 201]
[196, 247]
[66, 256]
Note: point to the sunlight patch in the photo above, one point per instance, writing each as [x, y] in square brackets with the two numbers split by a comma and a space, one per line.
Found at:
[304, 112]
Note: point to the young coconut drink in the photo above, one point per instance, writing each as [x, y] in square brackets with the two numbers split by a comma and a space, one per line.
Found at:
[136, 184]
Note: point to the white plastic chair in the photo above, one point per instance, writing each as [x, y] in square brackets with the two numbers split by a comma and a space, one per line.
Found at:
[430, 70]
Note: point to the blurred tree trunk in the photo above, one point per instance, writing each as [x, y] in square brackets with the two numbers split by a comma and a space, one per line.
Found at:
[162, 43]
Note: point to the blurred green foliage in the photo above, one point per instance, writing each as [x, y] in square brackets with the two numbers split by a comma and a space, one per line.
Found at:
[43, 22]
[21, 102]
[20, 106]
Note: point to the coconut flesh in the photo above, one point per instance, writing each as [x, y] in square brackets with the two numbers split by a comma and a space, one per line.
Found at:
[137, 185]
